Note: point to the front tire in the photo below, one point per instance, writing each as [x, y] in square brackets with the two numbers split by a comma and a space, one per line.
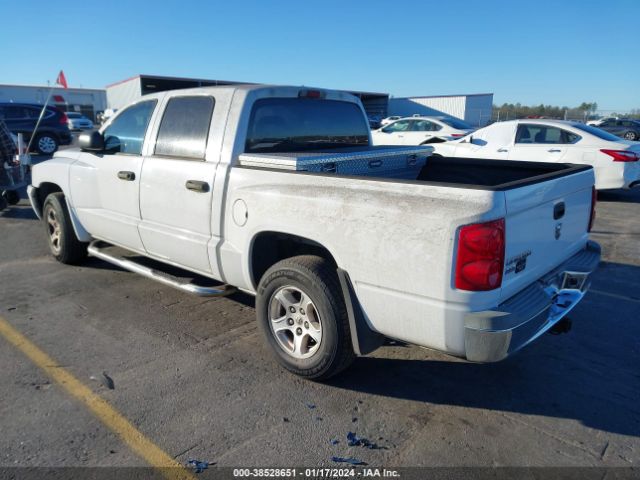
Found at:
[63, 243]
[301, 312]
[46, 144]
[631, 136]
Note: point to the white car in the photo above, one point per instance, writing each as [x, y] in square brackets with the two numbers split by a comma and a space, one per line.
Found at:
[418, 130]
[388, 120]
[77, 121]
[614, 160]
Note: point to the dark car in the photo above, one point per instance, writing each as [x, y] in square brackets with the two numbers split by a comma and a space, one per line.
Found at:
[52, 132]
[625, 128]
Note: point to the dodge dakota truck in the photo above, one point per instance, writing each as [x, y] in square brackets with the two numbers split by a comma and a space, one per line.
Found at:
[278, 192]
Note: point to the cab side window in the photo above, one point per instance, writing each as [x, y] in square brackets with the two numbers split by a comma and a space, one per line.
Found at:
[126, 132]
[185, 127]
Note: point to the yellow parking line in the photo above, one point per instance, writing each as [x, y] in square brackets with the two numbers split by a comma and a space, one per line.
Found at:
[141, 445]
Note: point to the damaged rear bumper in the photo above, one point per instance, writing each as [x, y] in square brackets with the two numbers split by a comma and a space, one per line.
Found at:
[493, 335]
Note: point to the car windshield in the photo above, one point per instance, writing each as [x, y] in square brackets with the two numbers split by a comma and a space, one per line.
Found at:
[73, 115]
[305, 124]
[596, 132]
[453, 123]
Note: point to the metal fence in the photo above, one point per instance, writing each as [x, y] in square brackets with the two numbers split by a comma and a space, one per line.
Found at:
[572, 114]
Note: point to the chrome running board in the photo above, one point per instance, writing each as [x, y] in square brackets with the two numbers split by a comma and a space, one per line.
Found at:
[97, 249]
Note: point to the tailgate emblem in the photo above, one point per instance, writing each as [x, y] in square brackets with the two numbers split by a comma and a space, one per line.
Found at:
[558, 230]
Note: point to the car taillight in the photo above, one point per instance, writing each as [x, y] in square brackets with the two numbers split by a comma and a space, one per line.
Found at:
[63, 119]
[622, 155]
[480, 260]
[594, 199]
[457, 135]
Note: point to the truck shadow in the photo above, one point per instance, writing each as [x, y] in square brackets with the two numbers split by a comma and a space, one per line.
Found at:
[20, 211]
[532, 386]
[590, 375]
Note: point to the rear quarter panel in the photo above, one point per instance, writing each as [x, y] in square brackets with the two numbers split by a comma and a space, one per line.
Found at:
[395, 240]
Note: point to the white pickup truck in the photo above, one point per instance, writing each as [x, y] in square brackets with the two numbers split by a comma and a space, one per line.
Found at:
[277, 191]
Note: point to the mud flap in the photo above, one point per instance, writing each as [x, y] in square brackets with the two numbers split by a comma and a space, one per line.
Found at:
[364, 339]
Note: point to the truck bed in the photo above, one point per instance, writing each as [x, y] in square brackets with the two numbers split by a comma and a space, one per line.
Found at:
[398, 163]
[489, 174]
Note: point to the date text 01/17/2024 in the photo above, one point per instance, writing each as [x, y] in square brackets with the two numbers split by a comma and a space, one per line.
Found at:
[315, 473]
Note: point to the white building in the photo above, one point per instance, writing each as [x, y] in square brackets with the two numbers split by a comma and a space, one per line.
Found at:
[126, 91]
[474, 109]
[88, 101]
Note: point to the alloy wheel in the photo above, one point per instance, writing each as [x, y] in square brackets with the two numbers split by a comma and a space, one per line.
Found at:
[295, 322]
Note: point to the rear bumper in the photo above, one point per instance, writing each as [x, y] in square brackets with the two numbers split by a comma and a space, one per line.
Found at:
[493, 335]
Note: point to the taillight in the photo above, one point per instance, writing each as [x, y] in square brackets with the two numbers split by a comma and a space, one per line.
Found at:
[63, 119]
[480, 260]
[621, 155]
[594, 198]
[457, 135]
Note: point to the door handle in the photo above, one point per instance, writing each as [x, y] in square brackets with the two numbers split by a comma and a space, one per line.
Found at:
[197, 186]
[127, 176]
[503, 150]
[554, 150]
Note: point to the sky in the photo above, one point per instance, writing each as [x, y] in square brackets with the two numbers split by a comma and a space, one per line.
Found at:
[561, 52]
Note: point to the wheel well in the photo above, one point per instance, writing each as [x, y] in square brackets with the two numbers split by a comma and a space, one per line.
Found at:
[50, 133]
[270, 247]
[44, 190]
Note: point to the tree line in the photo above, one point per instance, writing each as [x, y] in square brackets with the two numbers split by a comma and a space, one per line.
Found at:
[585, 111]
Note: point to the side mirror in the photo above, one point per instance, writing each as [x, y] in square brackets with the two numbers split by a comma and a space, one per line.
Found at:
[470, 138]
[93, 141]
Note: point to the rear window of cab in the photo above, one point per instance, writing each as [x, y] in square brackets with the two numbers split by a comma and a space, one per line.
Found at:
[304, 124]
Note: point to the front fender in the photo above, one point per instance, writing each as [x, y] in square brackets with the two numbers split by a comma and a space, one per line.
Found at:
[51, 176]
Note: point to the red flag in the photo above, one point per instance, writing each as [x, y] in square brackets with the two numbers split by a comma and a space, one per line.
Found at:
[61, 80]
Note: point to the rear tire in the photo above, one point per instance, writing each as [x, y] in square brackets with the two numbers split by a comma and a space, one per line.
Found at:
[631, 136]
[63, 243]
[301, 312]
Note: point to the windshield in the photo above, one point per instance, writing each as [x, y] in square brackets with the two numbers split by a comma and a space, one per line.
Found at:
[453, 123]
[596, 132]
[304, 124]
[73, 115]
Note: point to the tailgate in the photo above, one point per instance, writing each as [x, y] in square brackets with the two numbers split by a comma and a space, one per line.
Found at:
[546, 223]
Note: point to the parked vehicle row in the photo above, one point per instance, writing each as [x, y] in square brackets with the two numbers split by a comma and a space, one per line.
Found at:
[343, 243]
[615, 161]
[420, 130]
[52, 131]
